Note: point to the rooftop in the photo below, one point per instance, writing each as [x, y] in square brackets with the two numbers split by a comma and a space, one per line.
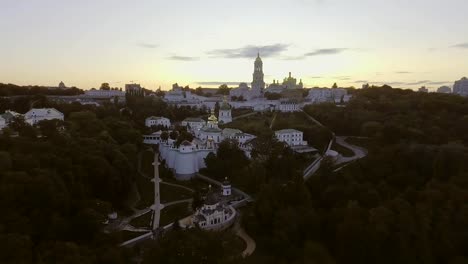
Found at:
[155, 118]
[193, 119]
[43, 111]
[287, 131]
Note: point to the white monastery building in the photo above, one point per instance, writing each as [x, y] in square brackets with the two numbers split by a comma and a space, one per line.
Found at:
[35, 115]
[216, 214]
[291, 137]
[188, 158]
[157, 121]
[225, 112]
[104, 95]
[194, 124]
[289, 106]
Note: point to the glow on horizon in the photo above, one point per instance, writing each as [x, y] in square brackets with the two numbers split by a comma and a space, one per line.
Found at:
[156, 43]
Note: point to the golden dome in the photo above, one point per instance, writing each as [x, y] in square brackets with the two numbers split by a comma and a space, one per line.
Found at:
[212, 116]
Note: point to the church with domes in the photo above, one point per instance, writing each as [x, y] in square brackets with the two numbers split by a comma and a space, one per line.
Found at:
[225, 116]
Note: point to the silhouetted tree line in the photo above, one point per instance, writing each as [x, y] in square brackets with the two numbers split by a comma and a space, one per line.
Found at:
[12, 90]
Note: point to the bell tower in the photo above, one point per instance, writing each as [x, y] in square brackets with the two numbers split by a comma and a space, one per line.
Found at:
[258, 84]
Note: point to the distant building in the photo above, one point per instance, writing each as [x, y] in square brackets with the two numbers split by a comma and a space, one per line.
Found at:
[36, 115]
[275, 87]
[258, 84]
[62, 86]
[322, 95]
[153, 139]
[289, 106]
[157, 121]
[291, 137]
[211, 131]
[461, 87]
[225, 115]
[187, 159]
[423, 89]
[288, 83]
[101, 95]
[216, 214]
[134, 89]
[9, 115]
[194, 124]
[444, 89]
[291, 83]
[3, 123]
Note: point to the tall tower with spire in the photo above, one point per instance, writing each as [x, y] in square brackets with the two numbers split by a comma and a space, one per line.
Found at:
[258, 84]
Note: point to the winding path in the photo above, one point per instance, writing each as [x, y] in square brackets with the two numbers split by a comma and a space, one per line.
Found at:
[177, 185]
[359, 153]
[244, 115]
[177, 202]
[250, 244]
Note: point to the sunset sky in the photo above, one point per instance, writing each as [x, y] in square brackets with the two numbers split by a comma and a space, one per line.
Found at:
[204, 43]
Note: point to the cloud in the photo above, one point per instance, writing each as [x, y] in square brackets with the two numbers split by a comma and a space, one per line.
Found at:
[361, 81]
[218, 83]
[183, 58]
[342, 78]
[389, 83]
[147, 45]
[424, 82]
[316, 77]
[403, 72]
[250, 51]
[461, 46]
[319, 52]
[438, 83]
[418, 83]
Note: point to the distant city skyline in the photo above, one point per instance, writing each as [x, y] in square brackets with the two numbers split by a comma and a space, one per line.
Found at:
[405, 44]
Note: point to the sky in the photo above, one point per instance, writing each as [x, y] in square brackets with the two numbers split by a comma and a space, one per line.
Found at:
[206, 43]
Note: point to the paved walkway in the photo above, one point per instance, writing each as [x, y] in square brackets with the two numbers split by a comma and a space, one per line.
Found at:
[315, 165]
[250, 244]
[359, 153]
[273, 120]
[177, 202]
[177, 185]
[244, 115]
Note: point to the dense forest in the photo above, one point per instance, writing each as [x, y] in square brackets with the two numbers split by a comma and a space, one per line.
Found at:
[406, 202]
